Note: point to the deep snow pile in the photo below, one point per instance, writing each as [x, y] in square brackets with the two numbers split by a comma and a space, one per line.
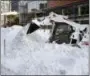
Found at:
[32, 55]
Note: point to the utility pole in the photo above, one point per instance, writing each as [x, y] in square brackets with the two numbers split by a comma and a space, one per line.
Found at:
[0, 14]
[0, 31]
[9, 5]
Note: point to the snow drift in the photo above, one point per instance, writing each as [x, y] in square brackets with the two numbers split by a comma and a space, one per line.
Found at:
[32, 55]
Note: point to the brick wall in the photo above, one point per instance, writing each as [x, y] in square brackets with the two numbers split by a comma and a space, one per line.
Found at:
[53, 3]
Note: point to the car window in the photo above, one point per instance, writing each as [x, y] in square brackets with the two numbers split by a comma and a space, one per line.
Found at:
[62, 27]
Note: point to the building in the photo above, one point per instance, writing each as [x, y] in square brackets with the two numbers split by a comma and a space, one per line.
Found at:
[23, 10]
[14, 5]
[29, 9]
[77, 10]
[36, 5]
[5, 7]
[9, 5]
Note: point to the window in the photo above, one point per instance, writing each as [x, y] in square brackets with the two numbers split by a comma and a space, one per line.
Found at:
[43, 5]
[58, 11]
[62, 32]
[71, 11]
[62, 28]
[75, 10]
[67, 11]
[84, 22]
[85, 9]
[76, 21]
[34, 9]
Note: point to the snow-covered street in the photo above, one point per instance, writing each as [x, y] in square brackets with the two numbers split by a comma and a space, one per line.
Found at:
[31, 54]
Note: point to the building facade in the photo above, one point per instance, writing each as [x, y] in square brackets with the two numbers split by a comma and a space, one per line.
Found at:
[5, 7]
[36, 5]
[15, 5]
[77, 10]
[23, 10]
[28, 9]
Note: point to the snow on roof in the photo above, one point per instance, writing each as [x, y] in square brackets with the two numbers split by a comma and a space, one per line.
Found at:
[16, 26]
[36, 21]
[10, 13]
[46, 21]
[54, 15]
[59, 18]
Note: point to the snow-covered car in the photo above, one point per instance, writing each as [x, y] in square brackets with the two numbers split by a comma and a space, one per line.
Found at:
[61, 33]
[63, 30]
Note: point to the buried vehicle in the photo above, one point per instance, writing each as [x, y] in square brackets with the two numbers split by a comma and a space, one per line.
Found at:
[62, 29]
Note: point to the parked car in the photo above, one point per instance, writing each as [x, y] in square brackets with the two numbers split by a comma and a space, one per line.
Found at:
[63, 30]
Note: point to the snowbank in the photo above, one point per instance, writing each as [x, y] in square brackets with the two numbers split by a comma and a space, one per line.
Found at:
[30, 55]
[12, 34]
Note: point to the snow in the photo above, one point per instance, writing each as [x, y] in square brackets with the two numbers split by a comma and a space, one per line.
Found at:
[44, 22]
[10, 13]
[40, 35]
[32, 55]
[13, 33]
[53, 15]
[59, 18]
[46, 19]
[35, 21]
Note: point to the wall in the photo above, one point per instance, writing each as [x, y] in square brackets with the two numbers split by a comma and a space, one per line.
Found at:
[53, 3]
[26, 7]
[34, 4]
[14, 5]
[5, 6]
